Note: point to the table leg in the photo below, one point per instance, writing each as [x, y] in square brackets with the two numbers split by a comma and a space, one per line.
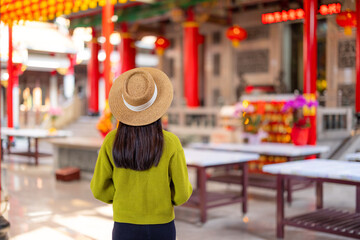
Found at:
[8, 145]
[288, 186]
[319, 195]
[280, 207]
[245, 179]
[289, 191]
[358, 198]
[29, 145]
[36, 155]
[2, 151]
[202, 193]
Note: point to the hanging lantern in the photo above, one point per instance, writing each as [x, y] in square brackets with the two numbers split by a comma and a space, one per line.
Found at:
[347, 20]
[161, 44]
[236, 34]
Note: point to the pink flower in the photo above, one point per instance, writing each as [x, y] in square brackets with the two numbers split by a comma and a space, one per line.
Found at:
[55, 111]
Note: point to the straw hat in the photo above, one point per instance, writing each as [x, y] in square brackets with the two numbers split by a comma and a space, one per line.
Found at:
[140, 96]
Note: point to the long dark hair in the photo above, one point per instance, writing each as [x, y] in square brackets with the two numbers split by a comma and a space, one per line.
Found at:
[138, 147]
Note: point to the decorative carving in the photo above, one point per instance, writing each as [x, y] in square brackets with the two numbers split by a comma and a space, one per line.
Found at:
[253, 61]
[258, 32]
[346, 54]
[347, 92]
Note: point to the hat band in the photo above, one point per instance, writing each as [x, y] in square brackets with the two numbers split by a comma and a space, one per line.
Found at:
[143, 106]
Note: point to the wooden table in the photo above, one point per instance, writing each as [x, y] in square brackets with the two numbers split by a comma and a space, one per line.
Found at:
[335, 221]
[204, 159]
[35, 134]
[289, 151]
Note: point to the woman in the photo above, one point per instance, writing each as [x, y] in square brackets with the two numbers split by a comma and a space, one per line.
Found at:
[141, 168]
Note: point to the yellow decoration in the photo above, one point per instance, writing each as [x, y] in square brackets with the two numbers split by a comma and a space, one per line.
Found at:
[309, 111]
[43, 4]
[84, 7]
[347, 31]
[62, 71]
[245, 104]
[27, 10]
[10, 7]
[235, 43]
[52, 130]
[102, 3]
[18, 4]
[68, 5]
[52, 9]
[105, 125]
[93, 5]
[34, 7]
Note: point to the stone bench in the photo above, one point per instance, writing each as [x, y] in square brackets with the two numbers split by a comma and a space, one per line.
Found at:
[78, 152]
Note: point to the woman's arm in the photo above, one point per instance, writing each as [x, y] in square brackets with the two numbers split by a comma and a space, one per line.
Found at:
[181, 188]
[102, 185]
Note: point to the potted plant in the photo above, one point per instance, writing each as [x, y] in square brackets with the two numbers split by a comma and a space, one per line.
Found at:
[54, 113]
[299, 123]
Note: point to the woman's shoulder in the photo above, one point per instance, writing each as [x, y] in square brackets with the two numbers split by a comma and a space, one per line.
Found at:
[171, 138]
[110, 137]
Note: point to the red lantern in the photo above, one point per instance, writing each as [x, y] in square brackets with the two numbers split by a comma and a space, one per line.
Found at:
[236, 34]
[346, 19]
[161, 44]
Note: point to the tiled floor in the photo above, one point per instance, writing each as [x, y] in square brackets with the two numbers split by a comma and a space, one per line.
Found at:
[42, 208]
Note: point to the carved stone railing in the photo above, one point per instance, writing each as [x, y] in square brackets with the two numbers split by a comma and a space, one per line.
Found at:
[334, 123]
[193, 121]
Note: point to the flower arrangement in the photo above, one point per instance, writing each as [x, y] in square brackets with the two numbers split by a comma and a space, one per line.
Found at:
[105, 124]
[252, 121]
[54, 113]
[300, 124]
[243, 111]
[296, 106]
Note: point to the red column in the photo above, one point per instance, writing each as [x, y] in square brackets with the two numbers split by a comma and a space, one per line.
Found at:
[10, 68]
[93, 76]
[127, 50]
[191, 68]
[1, 153]
[357, 105]
[310, 61]
[108, 28]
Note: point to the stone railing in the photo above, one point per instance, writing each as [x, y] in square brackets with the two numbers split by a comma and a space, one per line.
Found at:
[203, 122]
[334, 122]
[193, 121]
[71, 111]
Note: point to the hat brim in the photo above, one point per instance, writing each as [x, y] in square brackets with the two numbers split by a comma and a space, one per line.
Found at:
[149, 115]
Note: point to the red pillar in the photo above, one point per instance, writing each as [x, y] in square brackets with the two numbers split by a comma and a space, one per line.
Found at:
[127, 50]
[10, 68]
[310, 61]
[191, 65]
[1, 153]
[108, 28]
[357, 105]
[93, 76]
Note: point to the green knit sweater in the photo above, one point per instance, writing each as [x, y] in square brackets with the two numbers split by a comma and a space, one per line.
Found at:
[143, 197]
